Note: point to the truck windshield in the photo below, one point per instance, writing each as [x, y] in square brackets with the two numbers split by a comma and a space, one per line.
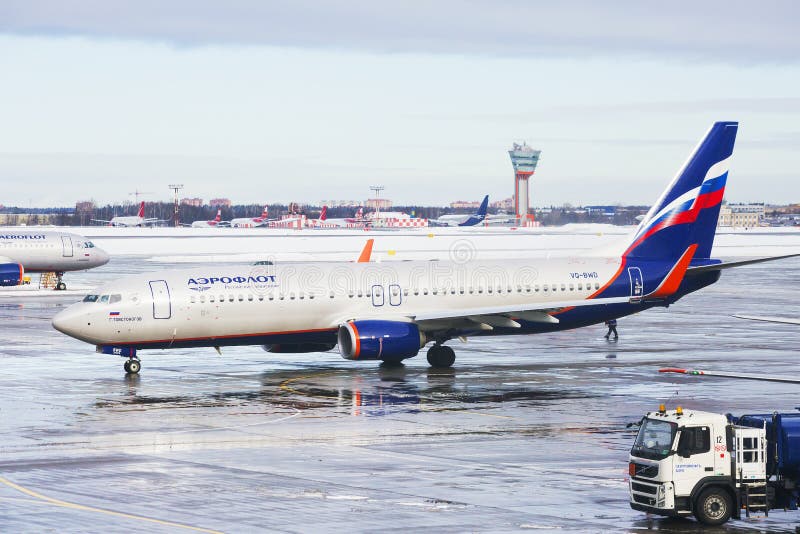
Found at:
[655, 439]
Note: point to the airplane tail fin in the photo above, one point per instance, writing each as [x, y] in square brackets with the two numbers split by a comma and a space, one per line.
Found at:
[265, 213]
[323, 214]
[141, 210]
[484, 206]
[479, 216]
[685, 216]
[219, 216]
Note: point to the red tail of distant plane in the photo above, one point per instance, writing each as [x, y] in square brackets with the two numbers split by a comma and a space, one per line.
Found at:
[141, 210]
[219, 216]
[323, 214]
[265, 213]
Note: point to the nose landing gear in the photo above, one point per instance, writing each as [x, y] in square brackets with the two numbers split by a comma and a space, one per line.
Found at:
[132, 366]
[441, 356]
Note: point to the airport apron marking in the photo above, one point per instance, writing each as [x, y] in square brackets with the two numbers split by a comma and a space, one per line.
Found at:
[74, 506]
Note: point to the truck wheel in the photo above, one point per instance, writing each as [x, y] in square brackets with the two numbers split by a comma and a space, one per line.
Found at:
[713, 506]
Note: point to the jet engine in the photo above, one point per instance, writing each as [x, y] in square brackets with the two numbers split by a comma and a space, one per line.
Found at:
[380, 340]
[11, 274]
[295, 348]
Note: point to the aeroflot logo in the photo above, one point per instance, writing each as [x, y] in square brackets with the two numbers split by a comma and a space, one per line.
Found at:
[202, 284]
[22, 236]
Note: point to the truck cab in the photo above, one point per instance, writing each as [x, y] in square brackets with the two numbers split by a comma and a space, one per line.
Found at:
[697, 463]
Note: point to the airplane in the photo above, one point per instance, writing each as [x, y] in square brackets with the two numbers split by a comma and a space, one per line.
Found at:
[45, 251]
[465, 220]
[389, 311]
[131, 220]
[357, 219]
[252, 222]
[216, 222]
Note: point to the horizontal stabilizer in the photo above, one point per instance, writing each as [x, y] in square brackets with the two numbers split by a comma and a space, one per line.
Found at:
[727, 265]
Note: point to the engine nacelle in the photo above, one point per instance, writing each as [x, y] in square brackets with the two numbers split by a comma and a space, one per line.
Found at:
[296, 348]
[11, 274]
[380, 340]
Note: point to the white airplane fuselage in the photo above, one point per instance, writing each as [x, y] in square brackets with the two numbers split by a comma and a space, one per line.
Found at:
[307, 302]
[48, 251]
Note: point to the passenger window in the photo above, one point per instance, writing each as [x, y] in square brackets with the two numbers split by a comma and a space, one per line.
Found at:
[572, 287]
[241, 298]
[425, 291]
[261, 298]
[580, 286]
[192, 299]
[563, 287]
[545, 288]
[203, 298]
[554, 287]
[230, 298]
[250, 298]
[405, 292]
[596, 285]
[330, 294]
[435, 291]
[211, 298]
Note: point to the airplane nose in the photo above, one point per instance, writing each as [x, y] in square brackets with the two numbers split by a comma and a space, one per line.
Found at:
[68, 322]
[101, 257]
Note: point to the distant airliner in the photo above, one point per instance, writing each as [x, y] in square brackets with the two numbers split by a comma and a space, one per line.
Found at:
[388, 311]
[216, 221]
[465, 220]
[252, 222]
[138, 220]
[37, 252]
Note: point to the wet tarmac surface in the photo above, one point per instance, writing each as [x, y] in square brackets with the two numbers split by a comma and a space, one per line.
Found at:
[523, 433]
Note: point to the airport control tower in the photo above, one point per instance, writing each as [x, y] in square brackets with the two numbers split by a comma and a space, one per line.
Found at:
[524, 159]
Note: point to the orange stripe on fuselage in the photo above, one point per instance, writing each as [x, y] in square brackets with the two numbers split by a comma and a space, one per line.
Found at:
[357, 352]
[599, 291]
[673, 280]
[232, 336]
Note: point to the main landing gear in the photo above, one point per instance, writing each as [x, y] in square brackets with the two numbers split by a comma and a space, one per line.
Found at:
[441, 356]
[60, 285]
[132, 366]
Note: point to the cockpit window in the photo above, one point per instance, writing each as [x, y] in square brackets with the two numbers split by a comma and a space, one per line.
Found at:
[88, 244]
[104, 299]
[114, 299]
[91, 298]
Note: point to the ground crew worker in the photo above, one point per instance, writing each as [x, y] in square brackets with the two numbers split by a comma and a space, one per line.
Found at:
[612, 328]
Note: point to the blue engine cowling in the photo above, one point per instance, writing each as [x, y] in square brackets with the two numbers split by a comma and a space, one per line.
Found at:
[380, 340]
[11, 274]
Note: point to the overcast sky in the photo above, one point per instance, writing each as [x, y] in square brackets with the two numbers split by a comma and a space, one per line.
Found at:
[275, 101]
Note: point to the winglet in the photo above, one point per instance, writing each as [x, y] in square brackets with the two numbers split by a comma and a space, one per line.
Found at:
[366, 252]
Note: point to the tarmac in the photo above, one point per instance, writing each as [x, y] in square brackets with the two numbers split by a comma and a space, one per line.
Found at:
[524, 433]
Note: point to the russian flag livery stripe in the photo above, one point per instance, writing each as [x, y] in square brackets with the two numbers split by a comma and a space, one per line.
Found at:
[688, 210]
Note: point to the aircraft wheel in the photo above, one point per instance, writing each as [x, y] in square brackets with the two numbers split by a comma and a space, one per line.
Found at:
[61, 286]
[132, 366]
[441, 356]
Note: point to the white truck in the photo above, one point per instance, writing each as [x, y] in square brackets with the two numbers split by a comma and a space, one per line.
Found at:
[713, 466]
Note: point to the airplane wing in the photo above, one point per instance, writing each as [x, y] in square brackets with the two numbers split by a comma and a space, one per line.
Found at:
[763, 378]
[100, 220]
[727, 265]
[783, 320]
[488, 317]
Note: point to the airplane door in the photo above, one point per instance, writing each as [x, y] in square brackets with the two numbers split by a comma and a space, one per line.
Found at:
[637, 285]
[162, 308]
[66, 246]
[377, 295]
[395, 296]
